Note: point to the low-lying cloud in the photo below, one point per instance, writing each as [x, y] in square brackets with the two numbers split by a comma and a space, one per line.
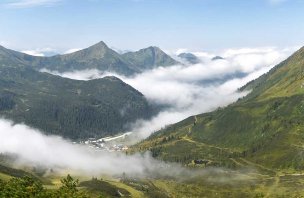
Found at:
[192, 89]
[33, 149]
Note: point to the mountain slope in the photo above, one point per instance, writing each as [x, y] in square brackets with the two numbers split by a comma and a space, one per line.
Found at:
[10, 58]
[286, 79]
[149, 58]
[264, 129]
[70, 108]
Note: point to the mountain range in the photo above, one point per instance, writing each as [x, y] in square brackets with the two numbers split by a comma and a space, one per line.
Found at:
[76, 109]
[98, 56]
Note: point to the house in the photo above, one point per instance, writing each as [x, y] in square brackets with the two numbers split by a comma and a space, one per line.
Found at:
[201, 161]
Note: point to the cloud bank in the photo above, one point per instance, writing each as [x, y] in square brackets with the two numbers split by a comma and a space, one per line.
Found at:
[33, 149]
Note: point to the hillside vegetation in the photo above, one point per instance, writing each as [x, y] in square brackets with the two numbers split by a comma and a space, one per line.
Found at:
[70, 108]
[216, 183]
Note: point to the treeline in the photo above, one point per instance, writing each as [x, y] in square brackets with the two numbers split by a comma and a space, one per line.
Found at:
[27, 187]
[72, 119]
[6, 102]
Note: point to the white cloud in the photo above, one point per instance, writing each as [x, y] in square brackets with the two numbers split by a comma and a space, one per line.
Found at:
[182, 50]
[33, 53]
[33, 149]
[41, 52]
[30, 3]
[79, 75]
[72, 50]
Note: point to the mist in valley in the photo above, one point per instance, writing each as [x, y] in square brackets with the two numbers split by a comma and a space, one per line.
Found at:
[185, 89]
[31, 149]
[191, 89]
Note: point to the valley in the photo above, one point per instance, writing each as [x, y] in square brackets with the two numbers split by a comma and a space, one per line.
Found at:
[250, 148]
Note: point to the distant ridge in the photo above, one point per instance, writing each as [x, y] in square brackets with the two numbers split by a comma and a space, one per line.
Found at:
[98, 56]
[217, 58]
[189, 57]
[149, 58]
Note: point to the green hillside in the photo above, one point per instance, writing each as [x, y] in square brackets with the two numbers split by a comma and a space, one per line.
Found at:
[264, 130]
[70, 108]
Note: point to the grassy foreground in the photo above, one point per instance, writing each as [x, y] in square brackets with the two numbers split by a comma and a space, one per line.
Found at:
[257, 182]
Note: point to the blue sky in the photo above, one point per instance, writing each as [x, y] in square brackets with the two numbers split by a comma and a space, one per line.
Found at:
[134, 24]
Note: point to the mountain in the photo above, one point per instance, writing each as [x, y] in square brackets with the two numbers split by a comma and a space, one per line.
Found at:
[149, 58]
[263, 130]
[10, 58]
[98, 56]
[217, 58]
[189, 57]
[70, 108]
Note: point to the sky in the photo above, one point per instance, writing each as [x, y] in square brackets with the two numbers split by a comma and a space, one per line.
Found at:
[61, 25]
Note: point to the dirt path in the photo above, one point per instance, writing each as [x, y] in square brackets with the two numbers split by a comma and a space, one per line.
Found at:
[206, 145]
[190, 128]
[134, 193]
[236, 162]
[275, 186]
[258, 166]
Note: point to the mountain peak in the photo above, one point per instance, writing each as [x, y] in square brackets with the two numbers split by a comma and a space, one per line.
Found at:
[96, 51]
[189, 57]
[99, 46]
[154, 49]
[217, 58]
[149, 58]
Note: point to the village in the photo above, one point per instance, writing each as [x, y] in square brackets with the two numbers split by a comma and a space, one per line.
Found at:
[110, 144]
